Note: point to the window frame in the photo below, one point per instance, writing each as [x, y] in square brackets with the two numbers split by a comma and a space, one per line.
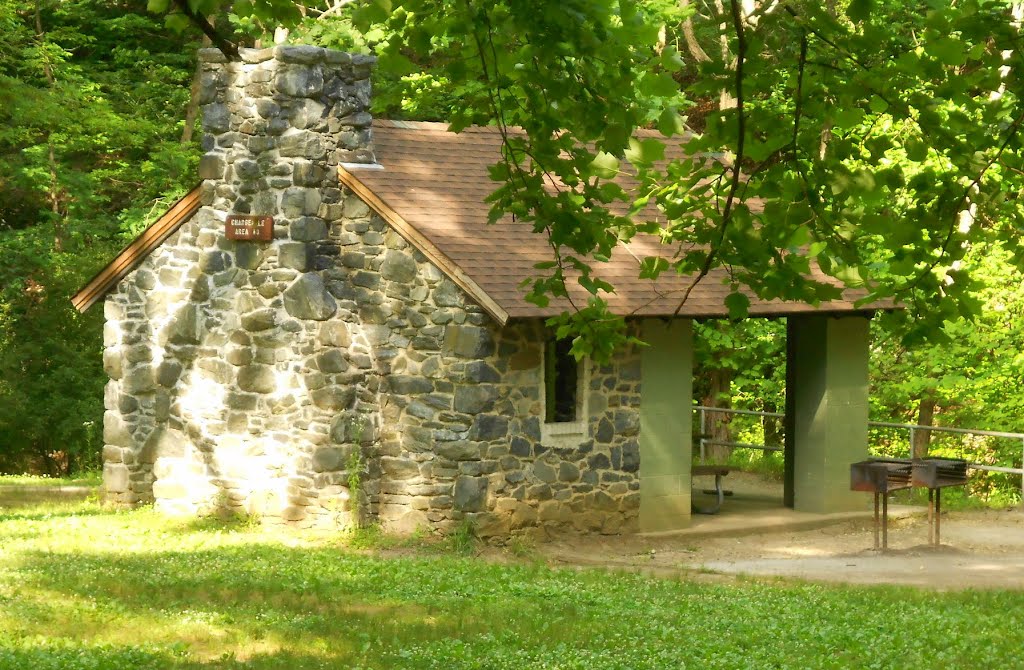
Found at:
[565, 433]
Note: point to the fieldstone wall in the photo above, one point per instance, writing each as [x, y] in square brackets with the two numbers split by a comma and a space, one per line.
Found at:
[462, 436]
[335, 372]
[235, 378]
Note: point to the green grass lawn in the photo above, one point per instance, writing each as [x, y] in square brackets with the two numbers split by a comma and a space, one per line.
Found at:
[81, 587]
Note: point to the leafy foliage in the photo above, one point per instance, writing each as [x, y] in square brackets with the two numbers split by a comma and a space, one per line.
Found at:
[91, 97]
[877, 144]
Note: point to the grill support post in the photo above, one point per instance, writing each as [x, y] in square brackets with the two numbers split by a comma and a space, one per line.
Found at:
[938, 515]
[931, 516]
[885, 521]
[703, 435]
[876, 520]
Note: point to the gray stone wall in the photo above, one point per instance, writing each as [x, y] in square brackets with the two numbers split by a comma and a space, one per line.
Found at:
[463, 436]
[334, 371]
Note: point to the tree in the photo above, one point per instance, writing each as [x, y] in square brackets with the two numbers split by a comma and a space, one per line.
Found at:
[91, 102]
[740, 365]
[969, 381]
[876, 140]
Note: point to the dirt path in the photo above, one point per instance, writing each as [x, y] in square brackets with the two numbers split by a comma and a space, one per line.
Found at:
[980, 549]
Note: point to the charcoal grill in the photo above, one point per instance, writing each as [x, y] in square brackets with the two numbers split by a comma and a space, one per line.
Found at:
[936, 474]
[882, 476]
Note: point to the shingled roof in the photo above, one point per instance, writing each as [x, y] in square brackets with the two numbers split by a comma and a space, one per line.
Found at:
[431, 185]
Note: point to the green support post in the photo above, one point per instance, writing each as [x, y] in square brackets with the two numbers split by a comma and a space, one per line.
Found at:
[826, 411]
[666, 415]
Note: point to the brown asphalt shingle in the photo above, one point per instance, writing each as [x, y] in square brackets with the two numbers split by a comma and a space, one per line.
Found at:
[437, 183]
[432, 185]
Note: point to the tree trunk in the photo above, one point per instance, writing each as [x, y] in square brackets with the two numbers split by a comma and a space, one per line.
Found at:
[772, 426]
[192, 111]
[717, 427]
[726, 99]
[925, 416]
[55, 194]
[690, 38]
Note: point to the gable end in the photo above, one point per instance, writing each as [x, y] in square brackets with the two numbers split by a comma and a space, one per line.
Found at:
[424, 246]
[137, 250]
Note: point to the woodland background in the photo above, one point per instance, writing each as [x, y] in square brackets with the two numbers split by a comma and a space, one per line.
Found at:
[99, 134]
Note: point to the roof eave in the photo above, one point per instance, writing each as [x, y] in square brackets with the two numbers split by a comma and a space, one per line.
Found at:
[137, 250]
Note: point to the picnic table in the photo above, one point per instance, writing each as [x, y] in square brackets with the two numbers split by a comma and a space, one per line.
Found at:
[719, 471]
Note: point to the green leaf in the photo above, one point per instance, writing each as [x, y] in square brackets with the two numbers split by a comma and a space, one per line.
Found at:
[615, 136]
[848, 117]
[645, 152]
[670, 59]
[177, 22]
[947, 50]
[396, 63]
[860, 10]
[738, 305]
[660, 84]
[652, 266]
[604, 165]
[670, 123]
[800, 236]
[917, 150]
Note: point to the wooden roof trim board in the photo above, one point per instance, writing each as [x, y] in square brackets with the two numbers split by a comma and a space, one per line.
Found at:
[137, 250]
[425, 246]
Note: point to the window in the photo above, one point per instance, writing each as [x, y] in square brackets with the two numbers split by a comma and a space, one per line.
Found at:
[561, 382]
[564, 395]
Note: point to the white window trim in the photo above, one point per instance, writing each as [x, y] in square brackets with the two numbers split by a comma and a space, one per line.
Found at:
[566, 434]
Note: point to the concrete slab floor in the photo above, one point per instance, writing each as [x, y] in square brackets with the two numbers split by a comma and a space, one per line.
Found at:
[750, 515]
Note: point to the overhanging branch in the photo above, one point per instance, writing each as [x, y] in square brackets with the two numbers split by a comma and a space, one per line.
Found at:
[226, 47]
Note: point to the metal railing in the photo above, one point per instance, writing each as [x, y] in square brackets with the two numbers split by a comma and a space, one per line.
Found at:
[912, 430]
[705, 442]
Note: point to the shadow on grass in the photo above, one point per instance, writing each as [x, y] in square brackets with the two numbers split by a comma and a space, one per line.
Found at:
[48, 656]
[274, 606]
[269, 605]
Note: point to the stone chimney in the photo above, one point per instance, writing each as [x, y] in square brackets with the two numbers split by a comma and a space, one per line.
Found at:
[277, 124]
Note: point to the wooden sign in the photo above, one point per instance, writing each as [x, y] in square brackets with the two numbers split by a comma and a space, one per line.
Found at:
[249, 227]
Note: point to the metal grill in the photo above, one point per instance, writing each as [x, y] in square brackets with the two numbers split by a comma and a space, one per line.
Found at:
[937, 473]
[882, 476]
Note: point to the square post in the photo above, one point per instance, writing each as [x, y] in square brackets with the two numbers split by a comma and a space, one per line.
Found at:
[826, 411]
[666, 418]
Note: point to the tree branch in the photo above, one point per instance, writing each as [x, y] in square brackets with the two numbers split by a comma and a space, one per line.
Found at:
[690, 38]
[227, 48]
[741, 130]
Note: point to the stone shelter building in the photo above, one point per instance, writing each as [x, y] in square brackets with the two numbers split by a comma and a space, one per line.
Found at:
[373, 355]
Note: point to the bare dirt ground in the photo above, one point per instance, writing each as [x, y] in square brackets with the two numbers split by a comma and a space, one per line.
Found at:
[980, 549]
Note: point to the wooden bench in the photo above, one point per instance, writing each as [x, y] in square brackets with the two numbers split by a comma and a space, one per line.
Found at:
[719, 471]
